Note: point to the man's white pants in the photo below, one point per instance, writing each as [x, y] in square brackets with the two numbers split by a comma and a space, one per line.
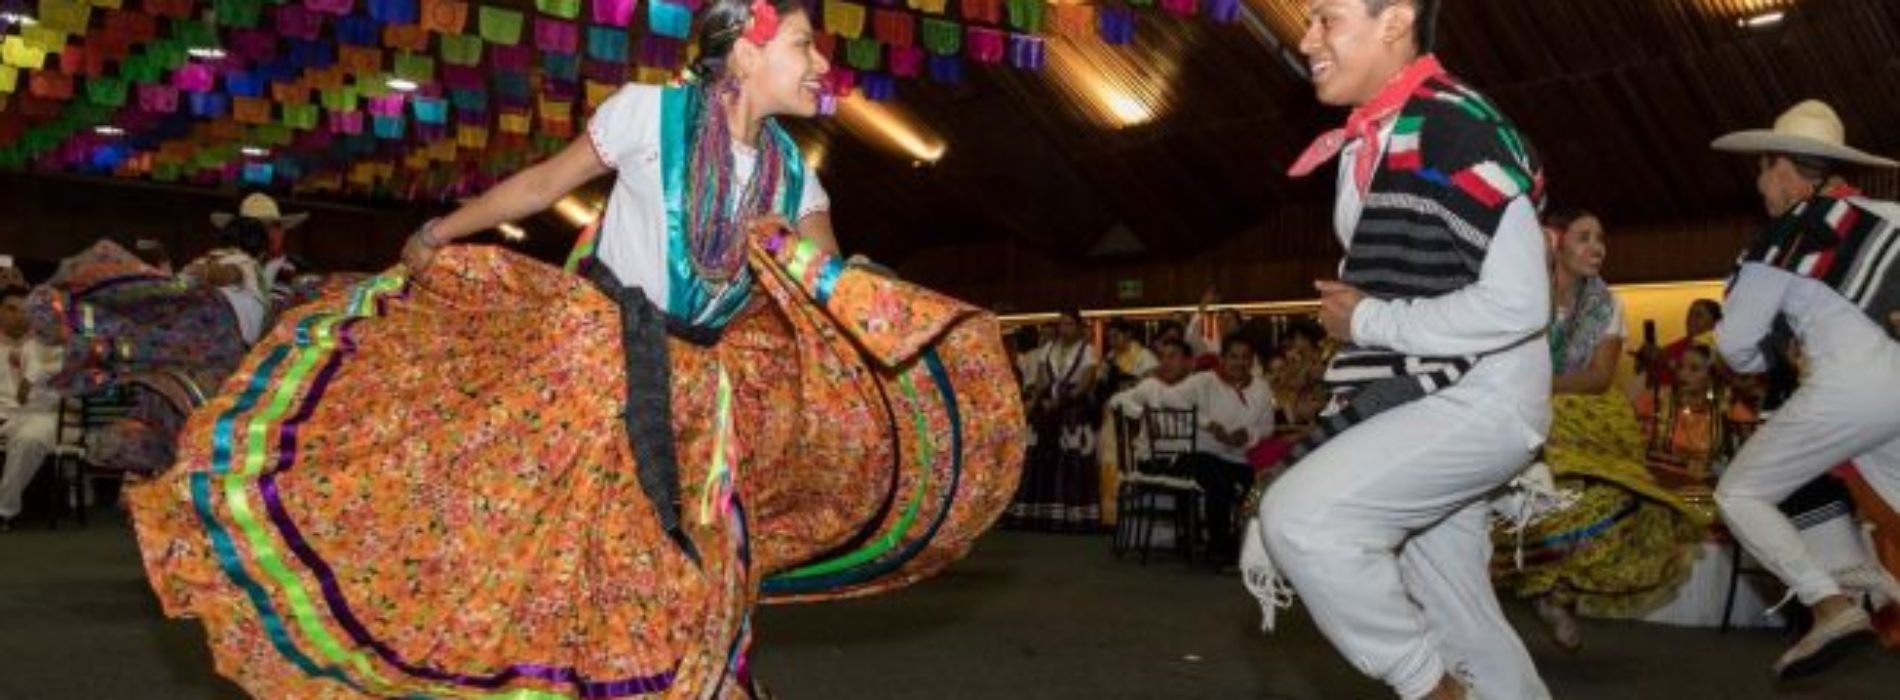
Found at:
[29, 437]
[1847, 413]
[1385, 533]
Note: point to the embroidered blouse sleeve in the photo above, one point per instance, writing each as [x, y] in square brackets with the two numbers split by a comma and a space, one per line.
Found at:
[626, 125]
[1510, 300]
[1748, 315]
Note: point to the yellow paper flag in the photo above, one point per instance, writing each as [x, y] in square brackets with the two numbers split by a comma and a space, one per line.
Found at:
[597, 94]
[44, 38]
[844, 19]
[15, 52]
[473, 138]
[514, 123]
[68, 16]
[9, 79]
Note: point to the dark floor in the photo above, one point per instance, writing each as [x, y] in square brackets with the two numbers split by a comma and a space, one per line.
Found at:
[1028, 616]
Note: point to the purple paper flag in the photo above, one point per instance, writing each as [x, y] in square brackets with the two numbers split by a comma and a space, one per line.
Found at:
[877, 87]
[1026, 51]
[514, 59]
[557, 36]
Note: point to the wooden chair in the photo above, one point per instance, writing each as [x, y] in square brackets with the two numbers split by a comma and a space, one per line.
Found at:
[1144, 497]
[79, 418]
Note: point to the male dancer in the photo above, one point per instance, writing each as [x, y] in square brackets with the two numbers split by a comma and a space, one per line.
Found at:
[1822, 270]
[1442, 392]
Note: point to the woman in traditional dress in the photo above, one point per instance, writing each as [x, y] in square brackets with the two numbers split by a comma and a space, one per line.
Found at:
[161, 343]
[1059, 490]
[477, 475]
[1624, 545]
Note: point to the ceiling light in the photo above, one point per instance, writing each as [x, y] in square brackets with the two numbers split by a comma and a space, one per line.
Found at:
[254, 151]
[1765, 19]
[205, 53]
[108, 130]
[576, 212]
[402, 85]
[1114, 87]
[512, 232]
[18, 18]
[886, 124]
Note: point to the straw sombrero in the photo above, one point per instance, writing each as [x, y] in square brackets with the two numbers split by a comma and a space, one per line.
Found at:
[261, 207]
[1808, 129]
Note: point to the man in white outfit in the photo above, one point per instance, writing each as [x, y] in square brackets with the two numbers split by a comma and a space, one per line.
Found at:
[29, 409]
[1823, 271]
[1441, 394]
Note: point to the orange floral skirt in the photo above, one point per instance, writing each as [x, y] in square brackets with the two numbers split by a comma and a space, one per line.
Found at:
[426, 488]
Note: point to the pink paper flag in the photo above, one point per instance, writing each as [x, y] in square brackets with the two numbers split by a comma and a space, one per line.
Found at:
[389, 105]
[298, 22]
[614, 13]
[159, 99]
[193, 77]
[346, 122]
[329, 7]
[906, 61]
[985, 45]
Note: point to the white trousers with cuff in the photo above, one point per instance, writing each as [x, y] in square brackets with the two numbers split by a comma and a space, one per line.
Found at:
[1386, 535]
[1845, 414]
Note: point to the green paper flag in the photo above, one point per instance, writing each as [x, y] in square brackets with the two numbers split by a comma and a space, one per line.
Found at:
[411, 67]
[237, 13]
[1026, 15]
[302, 117]
[863, 53]
[342, 99]
[499, 26]
[138, 69]
[942, 37]
[271, 134]
[461, 50]
[564, 9]
[165, 172]
[194, 33]
[166, 54]
[106, 92]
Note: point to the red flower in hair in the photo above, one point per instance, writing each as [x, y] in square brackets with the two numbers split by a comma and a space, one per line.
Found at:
[764, 24]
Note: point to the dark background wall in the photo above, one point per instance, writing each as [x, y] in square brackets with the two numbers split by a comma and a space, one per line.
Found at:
[45, 218]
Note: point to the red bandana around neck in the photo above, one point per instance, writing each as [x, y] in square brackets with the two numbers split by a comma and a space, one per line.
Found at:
[1365, 122]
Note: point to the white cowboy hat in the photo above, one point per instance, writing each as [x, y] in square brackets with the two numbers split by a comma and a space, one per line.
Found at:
[261, 207]
[1808, 129]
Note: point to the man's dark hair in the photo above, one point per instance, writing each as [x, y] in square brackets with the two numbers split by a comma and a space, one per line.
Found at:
[1238, 338]
[1712, 306]
[1178, 344]
[1811, 168]
[1306, 328]
[1424, 30]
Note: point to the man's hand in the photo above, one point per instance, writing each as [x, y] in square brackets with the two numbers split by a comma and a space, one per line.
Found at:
[1336, 303]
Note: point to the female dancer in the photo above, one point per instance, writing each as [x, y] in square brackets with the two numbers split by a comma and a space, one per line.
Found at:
[479, 476]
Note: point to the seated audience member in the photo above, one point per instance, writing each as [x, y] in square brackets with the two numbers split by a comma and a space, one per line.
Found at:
[1296, 374]
[29, 407]
[1234, 408]
[1128, 360]
[1660, 364]
[1687, 424]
